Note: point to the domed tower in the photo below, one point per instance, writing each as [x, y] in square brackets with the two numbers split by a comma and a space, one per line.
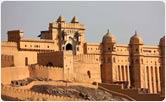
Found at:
[162, 75]
[108, 47]
[136, 64]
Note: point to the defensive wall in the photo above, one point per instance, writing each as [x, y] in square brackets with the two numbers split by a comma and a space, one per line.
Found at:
[13, 73]
[133, 93]
[87, 68]
[24, 94]
[57, 83]
[54, 73]
[55, 58]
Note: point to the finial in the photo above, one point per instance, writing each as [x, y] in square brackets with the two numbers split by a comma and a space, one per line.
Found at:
[135, 32]
[107, 30]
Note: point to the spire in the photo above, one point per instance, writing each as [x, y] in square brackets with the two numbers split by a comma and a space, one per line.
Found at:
[108, 31]
[136, 32]
[74, 20]
[60, 19]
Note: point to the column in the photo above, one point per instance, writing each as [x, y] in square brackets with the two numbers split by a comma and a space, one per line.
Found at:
[158, 79]
[146, 78]
[128, 76]
[120, 74]
[150, 80]
[117, 73]
[154, 81]
[125, 75]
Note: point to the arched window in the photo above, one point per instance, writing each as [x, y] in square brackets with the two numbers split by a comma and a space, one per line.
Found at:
[68, 46]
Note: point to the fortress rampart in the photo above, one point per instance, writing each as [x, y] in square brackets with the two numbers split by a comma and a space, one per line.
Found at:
[54, 73]
[45, 58]
[13, 73]
[88, 58]
[133, 93]
[87, 68]
[24, 94]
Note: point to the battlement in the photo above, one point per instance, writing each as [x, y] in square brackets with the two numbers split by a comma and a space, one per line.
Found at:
[89, 58]
[67, 25]
[8, 44]
[24, 94]
[44, 67]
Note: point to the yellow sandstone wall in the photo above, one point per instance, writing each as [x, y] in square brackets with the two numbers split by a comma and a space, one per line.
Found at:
[87, 68]
[54, 73]
[13, 73]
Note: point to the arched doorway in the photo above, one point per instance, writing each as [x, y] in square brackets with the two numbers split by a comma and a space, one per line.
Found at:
[68, 46]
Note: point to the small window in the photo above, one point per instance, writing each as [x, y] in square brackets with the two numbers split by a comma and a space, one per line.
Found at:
[77, 48]
[48, 46]
[109, 49]
[136, 49]
[25, 45]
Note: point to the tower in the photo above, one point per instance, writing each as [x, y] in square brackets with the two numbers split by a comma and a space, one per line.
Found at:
[108, 53]
[68, 36]
[162, 70]
[136, 62]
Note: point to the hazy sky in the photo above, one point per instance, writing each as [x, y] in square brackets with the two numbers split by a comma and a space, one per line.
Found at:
[122, 18]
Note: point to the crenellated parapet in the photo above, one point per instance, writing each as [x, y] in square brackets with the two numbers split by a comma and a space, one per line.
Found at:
[24, 94]
[89, 58]
[48, 72]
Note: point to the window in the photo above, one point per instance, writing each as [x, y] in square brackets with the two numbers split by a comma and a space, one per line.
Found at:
[47, 46]
[25, 45]
[26, 61]
[136, 50]
[109, 49]
[77, 48]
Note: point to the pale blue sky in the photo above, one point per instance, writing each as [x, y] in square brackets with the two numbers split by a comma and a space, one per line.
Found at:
[122, 18]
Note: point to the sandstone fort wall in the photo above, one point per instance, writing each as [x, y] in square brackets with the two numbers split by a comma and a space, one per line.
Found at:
[24, 94]
[55, 58]
[13, 73]
[54, 73]
[133, 93]
[87, 68]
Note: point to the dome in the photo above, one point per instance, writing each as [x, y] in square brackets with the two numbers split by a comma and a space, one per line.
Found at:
[136, 39]
[60, 19]
[108, 38]
[74, 20]
[162, 41]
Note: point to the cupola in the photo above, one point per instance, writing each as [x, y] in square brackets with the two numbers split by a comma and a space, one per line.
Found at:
[136, 39]
[108, 38]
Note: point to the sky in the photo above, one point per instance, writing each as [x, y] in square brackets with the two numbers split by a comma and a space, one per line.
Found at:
[120, 17]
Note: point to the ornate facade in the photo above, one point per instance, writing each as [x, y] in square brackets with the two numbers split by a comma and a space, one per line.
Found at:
[135, 65]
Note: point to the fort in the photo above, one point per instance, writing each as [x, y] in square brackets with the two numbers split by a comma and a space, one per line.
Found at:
[62, 53]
